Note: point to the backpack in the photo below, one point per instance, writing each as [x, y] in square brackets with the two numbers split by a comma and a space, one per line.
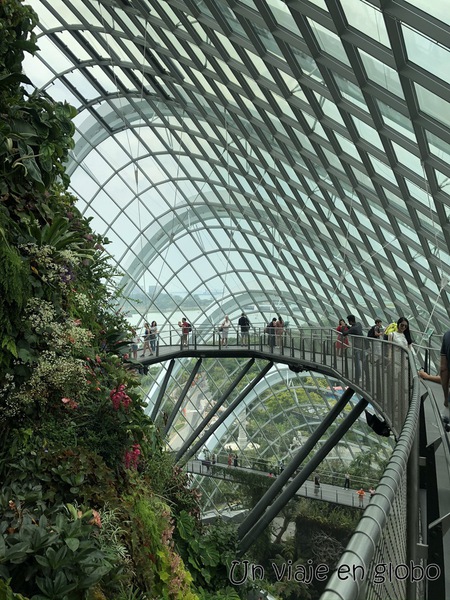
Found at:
[188, 326]
[371, 332]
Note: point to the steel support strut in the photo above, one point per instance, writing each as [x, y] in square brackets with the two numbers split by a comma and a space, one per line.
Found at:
[293, 464]
[300, 479]
[212, 412]
[162, 390]
[230, 409]
[179, 402]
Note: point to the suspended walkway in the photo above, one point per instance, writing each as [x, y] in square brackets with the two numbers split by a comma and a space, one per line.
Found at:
[325, 492]
[405, 526]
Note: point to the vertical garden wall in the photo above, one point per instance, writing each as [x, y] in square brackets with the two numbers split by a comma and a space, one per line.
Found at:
[90, 505]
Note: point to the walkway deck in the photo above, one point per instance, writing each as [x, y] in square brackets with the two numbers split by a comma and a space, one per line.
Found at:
[326, 492]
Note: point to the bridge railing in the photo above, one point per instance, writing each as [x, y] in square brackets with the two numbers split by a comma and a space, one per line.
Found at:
[382, 550]
[381, 554]
[380, 370]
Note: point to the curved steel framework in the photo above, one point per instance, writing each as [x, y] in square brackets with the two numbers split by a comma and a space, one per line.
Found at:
[296, 153]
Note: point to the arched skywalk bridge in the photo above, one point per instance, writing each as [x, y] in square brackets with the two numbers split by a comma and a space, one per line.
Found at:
[406, 521]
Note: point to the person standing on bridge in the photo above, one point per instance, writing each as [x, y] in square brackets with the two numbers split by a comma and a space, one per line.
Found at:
[270, 330]
[186, 329]
[316, 484]
[361, 493]
[355, 329]
[146, 340]
[279, 327]
[153, 335]
[347, 481]
[244, 324]
[341, 342]
[224, 328]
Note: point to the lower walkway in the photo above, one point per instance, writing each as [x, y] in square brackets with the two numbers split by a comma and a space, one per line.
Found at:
[326, 492]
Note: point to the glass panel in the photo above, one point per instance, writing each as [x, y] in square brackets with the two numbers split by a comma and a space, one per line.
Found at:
[396, 120]
[351, 92]
[436, 8]
[362, 178]
[330, 109]
[427, 53]
[329, 42]
[433, 105]
[368, 133]
[409, 160]
[382, 169]
[438, 147]
[380, 73]
[420, 194]
[367, 19]
[443, 180]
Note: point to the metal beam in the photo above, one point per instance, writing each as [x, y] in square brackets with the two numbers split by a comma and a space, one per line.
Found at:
[292, 466]
[230, 409]
[179, 402]
[212, 412]
[300, 479]
[162, 390]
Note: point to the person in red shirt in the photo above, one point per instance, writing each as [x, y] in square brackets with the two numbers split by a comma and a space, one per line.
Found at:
[361, 493]
[185, 331]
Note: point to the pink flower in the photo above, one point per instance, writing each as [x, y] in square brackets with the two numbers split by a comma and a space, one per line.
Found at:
[131, 458]
[69, 403]
[119, 397]
[96, 520]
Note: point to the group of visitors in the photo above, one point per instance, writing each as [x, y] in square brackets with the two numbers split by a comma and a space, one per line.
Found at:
[233, 459]
[149, 338]
[398, 332]
[350, 334]
[275, 332]
[361, 493]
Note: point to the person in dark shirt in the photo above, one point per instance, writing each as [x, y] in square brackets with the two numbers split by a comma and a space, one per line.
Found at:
[355, 329]
[244, 324]
[271, 333]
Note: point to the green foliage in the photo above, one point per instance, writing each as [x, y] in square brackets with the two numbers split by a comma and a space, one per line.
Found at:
[16, 290]
[48, 552]
[16, 36]
[63, 476]
[227, 593]
[171, 482]
[369, 465]
[6, 592]
[159, 569]
[130, 593]
[209, 551]
[248, 487]
[63, 439]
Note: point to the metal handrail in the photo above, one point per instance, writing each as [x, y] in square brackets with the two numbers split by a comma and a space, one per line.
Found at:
[361, 549]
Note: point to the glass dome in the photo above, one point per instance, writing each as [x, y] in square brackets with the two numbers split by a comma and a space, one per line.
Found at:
[289, 157]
